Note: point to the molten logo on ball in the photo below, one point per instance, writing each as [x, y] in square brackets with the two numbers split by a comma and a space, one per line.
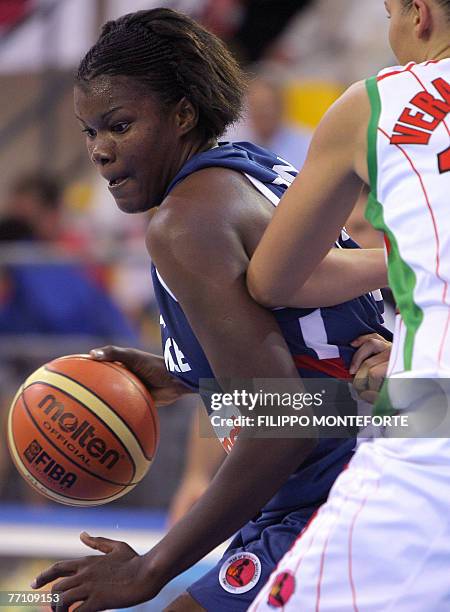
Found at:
[82, 433]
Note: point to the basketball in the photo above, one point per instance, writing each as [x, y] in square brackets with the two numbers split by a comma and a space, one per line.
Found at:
[82, 432]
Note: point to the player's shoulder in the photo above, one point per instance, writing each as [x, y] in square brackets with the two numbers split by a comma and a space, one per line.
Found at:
[201, 211]
[353, 100]
[345, 123]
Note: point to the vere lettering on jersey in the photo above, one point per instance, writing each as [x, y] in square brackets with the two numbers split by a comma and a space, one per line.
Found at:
[417, 124]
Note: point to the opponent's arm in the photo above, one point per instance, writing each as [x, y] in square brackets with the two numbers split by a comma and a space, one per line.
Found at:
[320, 200]
[344, 274]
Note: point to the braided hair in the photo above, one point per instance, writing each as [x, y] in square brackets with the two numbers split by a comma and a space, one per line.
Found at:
[174, 57]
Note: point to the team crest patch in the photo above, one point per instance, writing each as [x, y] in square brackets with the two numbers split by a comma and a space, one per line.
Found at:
[281, 590]
[240, 572]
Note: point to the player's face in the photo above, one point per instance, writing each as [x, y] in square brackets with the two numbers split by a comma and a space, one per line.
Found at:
[130, 139]
[401, 31]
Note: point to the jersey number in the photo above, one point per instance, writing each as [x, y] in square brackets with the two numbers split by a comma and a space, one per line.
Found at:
[444, 161]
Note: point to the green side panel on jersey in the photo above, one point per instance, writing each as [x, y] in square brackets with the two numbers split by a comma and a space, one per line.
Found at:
[402, 278]
[375, 103]
[383, 405]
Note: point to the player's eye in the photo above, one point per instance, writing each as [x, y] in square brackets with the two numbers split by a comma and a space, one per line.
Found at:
[120, 127]
[90, 133]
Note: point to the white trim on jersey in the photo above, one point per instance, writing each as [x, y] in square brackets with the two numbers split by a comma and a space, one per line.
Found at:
[315, 335]
[165, 286]
[263, 189]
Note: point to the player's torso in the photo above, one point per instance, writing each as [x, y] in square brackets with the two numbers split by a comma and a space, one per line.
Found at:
[409, 167]
[318, 339]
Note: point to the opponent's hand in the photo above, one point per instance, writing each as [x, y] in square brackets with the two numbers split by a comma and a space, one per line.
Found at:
[151, 369]
[369, 365]
[116, 579]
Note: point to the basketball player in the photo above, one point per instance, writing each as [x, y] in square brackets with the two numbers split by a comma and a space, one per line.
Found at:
[382, 540]
[153, 96]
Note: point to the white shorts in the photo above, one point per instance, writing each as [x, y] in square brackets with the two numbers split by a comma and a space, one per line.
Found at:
[380, 543]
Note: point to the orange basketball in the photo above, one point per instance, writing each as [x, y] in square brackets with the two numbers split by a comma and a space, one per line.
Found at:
[82, 432]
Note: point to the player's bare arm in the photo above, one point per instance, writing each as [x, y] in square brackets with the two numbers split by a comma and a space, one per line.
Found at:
[341, 276]
[298, 237]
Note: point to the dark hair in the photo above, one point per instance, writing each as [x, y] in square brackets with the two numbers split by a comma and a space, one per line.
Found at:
[407, 4]
[174, 57]
[47, 188]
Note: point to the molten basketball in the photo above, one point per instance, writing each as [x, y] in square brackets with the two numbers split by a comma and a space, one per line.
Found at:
[83, 432]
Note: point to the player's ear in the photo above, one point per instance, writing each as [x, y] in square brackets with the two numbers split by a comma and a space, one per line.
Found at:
[423, 18]
[186, 116]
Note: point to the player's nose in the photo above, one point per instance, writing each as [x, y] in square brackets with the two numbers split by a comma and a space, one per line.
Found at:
[102, 155]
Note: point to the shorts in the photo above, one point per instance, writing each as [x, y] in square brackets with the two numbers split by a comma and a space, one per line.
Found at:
[380, 542]
[248, 562]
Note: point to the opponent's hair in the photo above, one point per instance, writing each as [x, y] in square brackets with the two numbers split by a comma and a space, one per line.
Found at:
[174, 57]
[407, 4]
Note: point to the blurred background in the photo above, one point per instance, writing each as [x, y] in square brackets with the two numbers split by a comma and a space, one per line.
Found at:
[74, 273]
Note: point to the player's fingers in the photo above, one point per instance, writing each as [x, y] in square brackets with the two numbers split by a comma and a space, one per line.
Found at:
[104, 545]
[369, 396]
[109, 353]
[69, 598]
[377, 374]
[86, 606]
[357, 342]
[65, 584]
[379, 359]
[57, 570]
[360, 379]
[373, 346]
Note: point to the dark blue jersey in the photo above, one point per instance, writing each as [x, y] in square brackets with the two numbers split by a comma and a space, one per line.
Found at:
[318, 339]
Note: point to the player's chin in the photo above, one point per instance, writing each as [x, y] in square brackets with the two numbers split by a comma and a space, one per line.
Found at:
[131, 205]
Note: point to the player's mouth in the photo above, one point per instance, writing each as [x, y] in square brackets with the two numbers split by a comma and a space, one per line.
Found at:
[117, 183]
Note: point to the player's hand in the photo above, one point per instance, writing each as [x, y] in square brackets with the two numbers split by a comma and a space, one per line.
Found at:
[151, 369]
[116, 579]
[369, 365]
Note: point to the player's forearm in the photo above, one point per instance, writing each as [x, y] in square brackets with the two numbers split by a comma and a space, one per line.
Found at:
[343, 275]
[248, 478]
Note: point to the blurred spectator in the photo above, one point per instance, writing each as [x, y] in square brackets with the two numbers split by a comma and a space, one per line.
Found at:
[12, 11]
[50, 296]
[264, 122]
[323, 42]
[262, 22]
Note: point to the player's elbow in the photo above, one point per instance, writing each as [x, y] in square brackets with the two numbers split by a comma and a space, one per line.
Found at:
[261, 290]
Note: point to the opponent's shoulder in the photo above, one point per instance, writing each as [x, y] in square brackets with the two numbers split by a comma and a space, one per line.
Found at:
[351, 109]
[341, 137]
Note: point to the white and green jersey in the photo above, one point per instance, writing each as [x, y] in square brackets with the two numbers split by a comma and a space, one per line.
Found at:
[409, 169]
